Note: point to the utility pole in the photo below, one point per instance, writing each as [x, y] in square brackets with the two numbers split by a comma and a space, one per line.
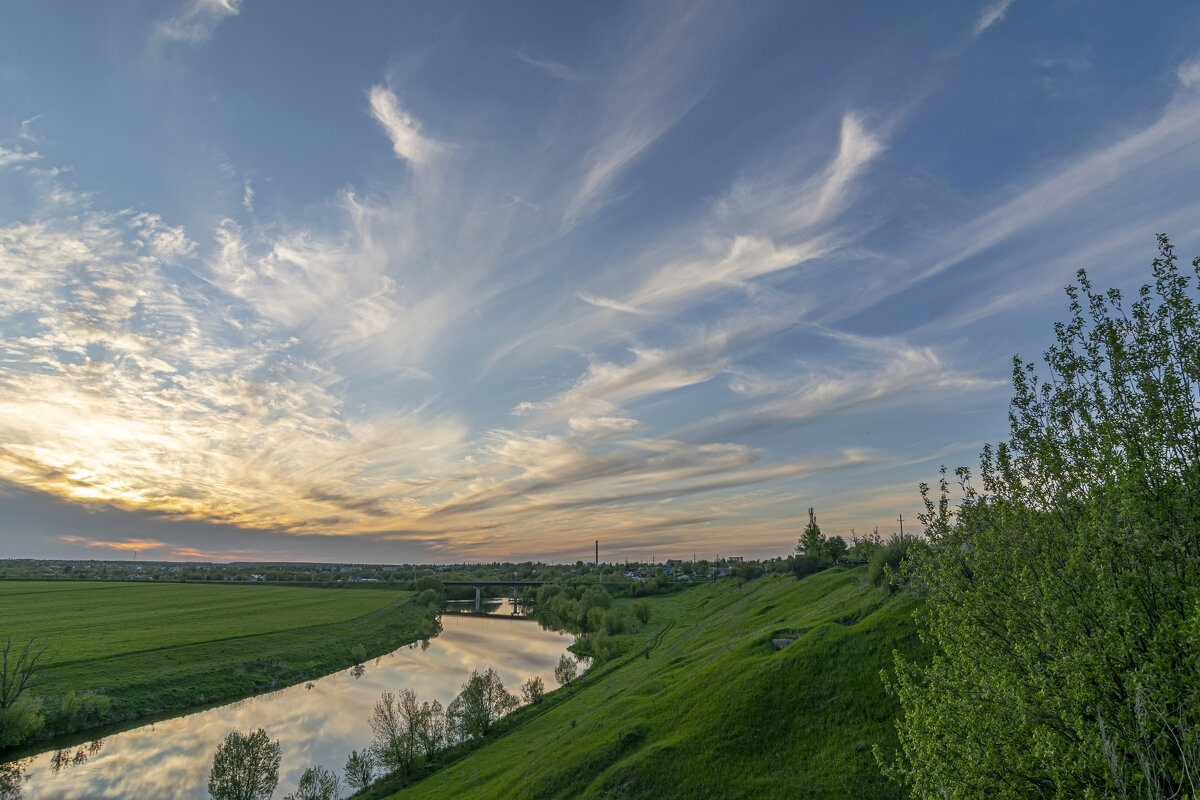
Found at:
[901, 526]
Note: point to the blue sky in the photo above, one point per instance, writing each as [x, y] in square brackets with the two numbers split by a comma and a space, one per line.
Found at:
[472, 281]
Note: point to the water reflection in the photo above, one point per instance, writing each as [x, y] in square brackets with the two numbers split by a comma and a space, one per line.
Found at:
[315, 724]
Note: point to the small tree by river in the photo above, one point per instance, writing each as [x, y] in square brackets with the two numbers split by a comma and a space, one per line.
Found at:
[245, 767]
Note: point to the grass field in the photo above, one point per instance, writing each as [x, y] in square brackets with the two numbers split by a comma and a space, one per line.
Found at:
[715, 710]
[159, 648]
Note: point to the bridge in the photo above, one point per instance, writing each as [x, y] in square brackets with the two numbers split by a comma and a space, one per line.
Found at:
[478, 585]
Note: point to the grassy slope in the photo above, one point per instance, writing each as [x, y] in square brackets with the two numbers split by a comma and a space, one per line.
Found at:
[715, 711]
[156, 648]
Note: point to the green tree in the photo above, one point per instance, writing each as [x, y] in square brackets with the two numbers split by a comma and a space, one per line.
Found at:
[397, 723]
[245, 767]
[835, 547]
[1063, 596]
[20, 714]
[482, 701]
[812, 541]
[533, 690]
[564, 673]
[359, 769]
[316, 783]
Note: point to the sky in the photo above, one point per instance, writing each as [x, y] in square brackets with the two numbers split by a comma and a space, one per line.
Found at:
[395, 282]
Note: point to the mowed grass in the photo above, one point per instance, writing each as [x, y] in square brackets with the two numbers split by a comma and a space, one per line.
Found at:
[161, 648]
[715, 711]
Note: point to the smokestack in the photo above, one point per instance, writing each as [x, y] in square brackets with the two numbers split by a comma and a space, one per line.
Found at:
[597, 554]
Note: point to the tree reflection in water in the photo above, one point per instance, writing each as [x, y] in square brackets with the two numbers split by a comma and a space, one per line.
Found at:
[12, 775]
[68, 757]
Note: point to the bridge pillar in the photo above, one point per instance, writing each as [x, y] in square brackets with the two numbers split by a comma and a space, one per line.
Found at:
[514, 611]
[478, 607]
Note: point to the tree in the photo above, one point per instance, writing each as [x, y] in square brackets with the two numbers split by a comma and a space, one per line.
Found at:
[397, 723]
[359, 769]
[245, 767]
[1063, 597]
[20, 714]
[316, 783]
[432, 734]
[812, 541]
[564, 673]
[836, 547]
[482, 701]
[533, 690]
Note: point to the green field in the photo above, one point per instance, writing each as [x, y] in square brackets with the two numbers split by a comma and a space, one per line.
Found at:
[158, 648]
[715, 710]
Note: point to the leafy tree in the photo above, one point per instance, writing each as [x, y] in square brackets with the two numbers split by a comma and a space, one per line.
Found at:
[359, 769]
[435, 734]
[245, 767]
[316, 783]
[482, 701]
[565, 672]
[641, 611]
[397, 723]
[533, 690]
[835, 547]
[20, 714]
[1063, 597]
[812, 541]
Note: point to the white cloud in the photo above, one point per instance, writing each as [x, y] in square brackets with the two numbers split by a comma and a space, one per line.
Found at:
[404, 131]
[196, 21]
[1188, 73]
[10, 156]
[552, 68]
[990, 15]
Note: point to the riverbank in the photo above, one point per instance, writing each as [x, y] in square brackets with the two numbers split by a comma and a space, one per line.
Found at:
[699, 702]
[120, 654]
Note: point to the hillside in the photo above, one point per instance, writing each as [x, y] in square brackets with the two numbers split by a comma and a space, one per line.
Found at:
[714, 710]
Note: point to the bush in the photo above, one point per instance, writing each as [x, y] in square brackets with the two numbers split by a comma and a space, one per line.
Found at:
[885, 567]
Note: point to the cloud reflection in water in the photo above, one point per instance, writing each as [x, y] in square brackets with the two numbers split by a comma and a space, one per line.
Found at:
[315, 724]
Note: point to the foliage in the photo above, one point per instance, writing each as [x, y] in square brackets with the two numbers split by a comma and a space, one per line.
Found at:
[482, 701]
[566, 669]
[640, 611]
[835, 548]
[533, 690]
[1064, 597]
[18, 666]
[245, 767]
[804, 565]
[884, 568]
[812, 541]
[316, 783]
[20, 721]
[747, 571]
[359, 769]
[397, 722]
[19, 713]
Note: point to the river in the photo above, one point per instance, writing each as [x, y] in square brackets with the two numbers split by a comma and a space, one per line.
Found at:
[316, 723]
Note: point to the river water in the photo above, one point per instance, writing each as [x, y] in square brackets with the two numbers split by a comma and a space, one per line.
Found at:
[315, 723]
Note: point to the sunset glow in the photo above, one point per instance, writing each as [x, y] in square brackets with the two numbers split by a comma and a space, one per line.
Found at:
[412, 282]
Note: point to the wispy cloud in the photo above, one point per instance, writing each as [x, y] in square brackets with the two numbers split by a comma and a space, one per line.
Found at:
[196, 21]
[990, 15]
[552, 68]
[404, 131]
[658, 81]
[13, 156]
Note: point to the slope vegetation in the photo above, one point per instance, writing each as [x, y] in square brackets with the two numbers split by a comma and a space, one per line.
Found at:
[700, 703]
